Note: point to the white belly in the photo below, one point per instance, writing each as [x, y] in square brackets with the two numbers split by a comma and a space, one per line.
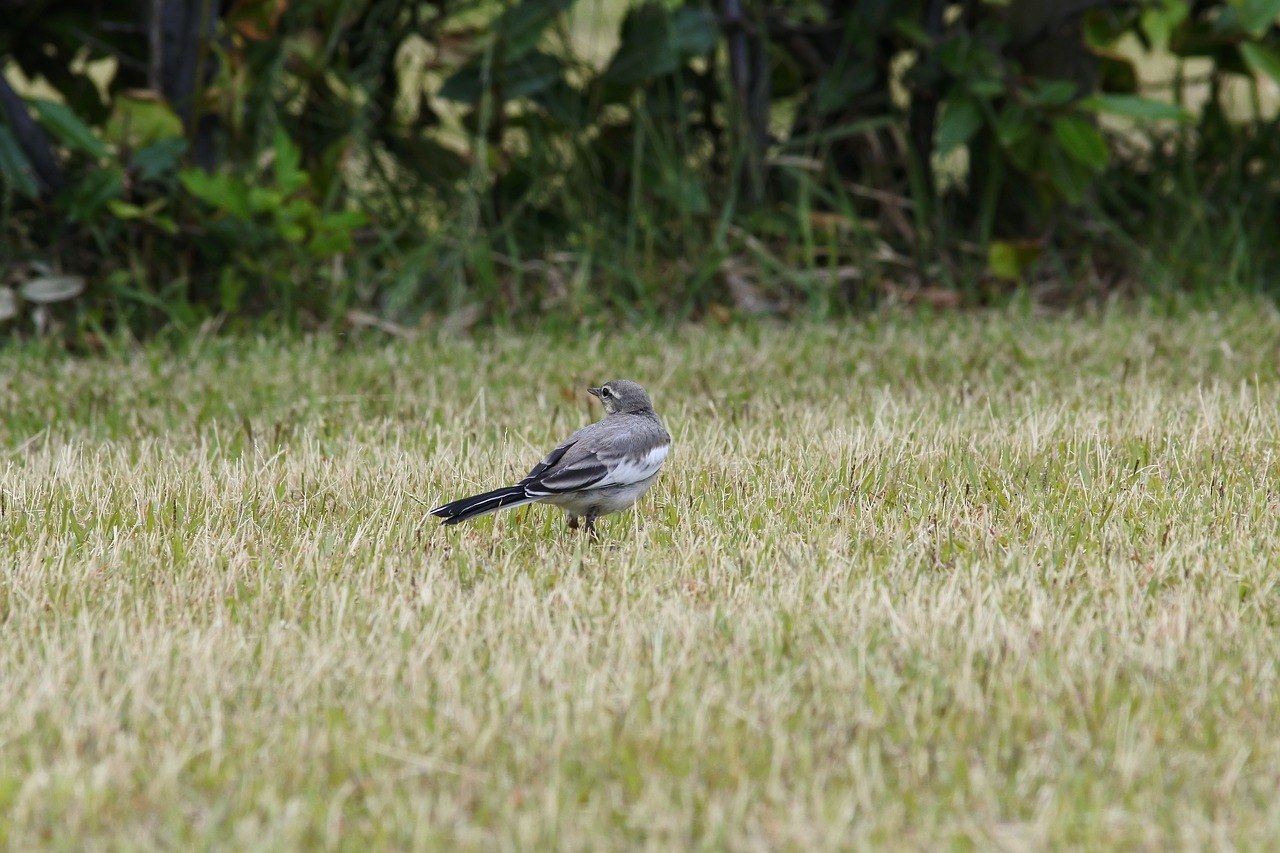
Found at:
[602, 500]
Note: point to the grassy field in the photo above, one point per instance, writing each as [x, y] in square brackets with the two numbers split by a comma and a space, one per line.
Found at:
[994, 581]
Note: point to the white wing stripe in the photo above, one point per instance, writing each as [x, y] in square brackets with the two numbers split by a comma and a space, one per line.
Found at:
[628, 470]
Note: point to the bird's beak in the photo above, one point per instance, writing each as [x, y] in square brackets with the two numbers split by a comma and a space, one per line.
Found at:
[594, 392]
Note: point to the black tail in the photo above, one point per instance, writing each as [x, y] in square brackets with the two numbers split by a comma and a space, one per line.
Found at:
[478, 505]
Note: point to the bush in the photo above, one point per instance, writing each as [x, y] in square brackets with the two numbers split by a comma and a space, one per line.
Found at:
[394, 162]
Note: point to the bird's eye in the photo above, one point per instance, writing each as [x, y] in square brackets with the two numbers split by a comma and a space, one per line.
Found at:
[605, 392]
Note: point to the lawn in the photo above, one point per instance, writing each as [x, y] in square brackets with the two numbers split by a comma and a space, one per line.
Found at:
[992, 581]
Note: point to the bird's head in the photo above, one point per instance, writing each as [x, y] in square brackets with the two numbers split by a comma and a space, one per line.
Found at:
[622, 395]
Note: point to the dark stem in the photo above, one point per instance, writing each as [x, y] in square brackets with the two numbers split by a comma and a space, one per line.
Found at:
[35, 144]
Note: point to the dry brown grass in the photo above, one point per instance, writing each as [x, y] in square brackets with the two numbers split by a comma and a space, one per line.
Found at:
[987, 581]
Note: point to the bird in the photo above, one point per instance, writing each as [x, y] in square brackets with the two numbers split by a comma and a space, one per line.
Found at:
[602, 468]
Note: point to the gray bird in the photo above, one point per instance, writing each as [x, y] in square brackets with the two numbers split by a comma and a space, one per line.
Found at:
[600, 469]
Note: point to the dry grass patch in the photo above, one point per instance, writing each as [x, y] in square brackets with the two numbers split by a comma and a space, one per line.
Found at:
[987, 581]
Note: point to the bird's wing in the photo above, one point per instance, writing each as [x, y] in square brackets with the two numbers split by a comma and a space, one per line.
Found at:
[550, 460]
[612, 452]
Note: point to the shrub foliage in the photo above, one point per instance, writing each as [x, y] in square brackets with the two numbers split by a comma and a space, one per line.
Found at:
[390, 162]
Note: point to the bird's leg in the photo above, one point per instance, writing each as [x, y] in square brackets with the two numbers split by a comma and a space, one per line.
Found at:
[591, 526]
[573, 523]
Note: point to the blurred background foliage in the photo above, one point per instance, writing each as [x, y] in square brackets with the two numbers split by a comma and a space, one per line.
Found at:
[395, 164]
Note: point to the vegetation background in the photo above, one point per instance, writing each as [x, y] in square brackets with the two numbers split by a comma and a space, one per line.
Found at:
[393, 163]
[912, 578]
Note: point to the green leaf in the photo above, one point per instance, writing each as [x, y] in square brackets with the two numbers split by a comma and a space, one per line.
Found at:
[15, 168]
[291, 231]
[159, 160]
[1050, 93]
[1082, 142]
[346, 220]
[225, 194]
[564, 105]
[294, 210]
[645, 50]
[289, 175]
[1013, 124]
[264, 199]
[87, 197]
[842, 82]
[1159, 22]
[1104, 29]
[521, 26]
[151, 213]
[961, 119]
[165, 224]
[124, 210]
[1070, 179]
[534, 73]
[1010, 260]
[1257, 16]
[334, 233]
[696, 30]
[141, 119]
[524, 78]
[986, 88]
[915, 34]
[68, 129]
[1261, 60]
[464, 85]
[1131, 106]
[1025, 153]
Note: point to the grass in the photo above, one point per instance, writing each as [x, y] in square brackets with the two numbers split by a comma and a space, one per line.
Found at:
[991, 581]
